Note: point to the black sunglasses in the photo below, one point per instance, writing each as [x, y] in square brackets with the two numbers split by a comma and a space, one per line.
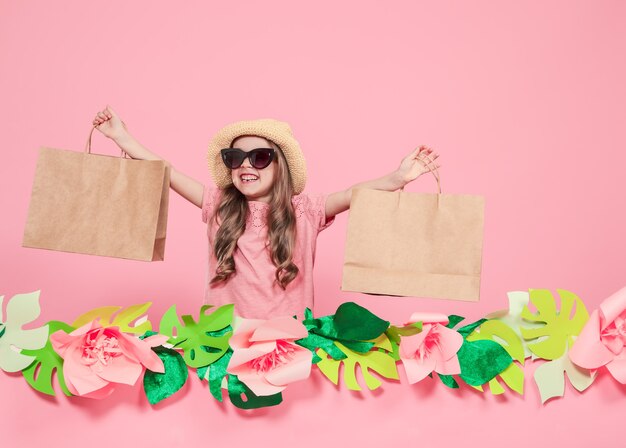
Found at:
[259, 158]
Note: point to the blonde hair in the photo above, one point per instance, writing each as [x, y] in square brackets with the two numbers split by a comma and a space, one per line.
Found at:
[281, 221]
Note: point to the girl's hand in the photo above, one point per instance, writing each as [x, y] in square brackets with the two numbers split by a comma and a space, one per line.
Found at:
[420, 161]
[107, 122]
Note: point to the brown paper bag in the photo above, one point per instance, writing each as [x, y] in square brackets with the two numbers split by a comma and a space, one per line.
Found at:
[414, 244]
[99, 205]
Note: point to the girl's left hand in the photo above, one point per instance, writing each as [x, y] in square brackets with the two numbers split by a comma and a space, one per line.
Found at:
[420, 161]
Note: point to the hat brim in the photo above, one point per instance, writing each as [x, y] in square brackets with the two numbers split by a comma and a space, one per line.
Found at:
[274, 130]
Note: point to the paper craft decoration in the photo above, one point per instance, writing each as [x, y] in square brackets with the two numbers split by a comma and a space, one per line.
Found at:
[414, 244]
[253, 361]
[602, 341]
[100, 205]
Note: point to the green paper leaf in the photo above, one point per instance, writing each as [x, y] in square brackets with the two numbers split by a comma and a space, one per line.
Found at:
[550, 377]
[159, 386]
[242, 397]
[518, 300]
[39, 374]
[378, 360]
[559, 328]
[107, 317]
[481, 361]
[466, 330]
[202, 342]
[449, 381]
[215, 374]
[501, 333]
[453, 320]
[352, 325]
[351, 322]
[314, 341]
[355, 323]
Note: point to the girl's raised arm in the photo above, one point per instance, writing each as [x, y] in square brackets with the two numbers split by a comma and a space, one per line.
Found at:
[420, 161]
[107, 122]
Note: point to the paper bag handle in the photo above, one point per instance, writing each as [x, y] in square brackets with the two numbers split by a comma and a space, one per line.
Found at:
[88, 145]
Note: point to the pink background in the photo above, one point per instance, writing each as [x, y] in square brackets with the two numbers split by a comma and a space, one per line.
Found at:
[523, 100]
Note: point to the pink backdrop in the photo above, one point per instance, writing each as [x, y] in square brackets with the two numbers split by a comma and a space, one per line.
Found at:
[524, 102]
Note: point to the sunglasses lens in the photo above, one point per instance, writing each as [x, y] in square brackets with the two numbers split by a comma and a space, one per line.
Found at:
[261, 158]
[233, 159]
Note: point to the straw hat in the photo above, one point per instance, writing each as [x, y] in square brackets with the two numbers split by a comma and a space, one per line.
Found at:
[277, 131]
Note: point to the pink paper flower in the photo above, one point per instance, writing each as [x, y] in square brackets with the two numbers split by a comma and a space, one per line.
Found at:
[97, 359]
[602, 342]
[265, 357]
[434, 349]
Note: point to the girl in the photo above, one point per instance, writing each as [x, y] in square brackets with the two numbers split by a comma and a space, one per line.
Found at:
[261, 228]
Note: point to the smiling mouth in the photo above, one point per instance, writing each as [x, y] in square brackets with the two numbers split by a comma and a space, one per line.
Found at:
[248, 178]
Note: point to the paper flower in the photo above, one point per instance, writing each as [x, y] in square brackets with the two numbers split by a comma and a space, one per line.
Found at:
[602, 342]
[431, 350]
[96, 359]
[265, 357]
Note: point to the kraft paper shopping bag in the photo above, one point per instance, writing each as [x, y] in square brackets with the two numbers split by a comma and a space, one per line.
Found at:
[414, 244]
[100, 205]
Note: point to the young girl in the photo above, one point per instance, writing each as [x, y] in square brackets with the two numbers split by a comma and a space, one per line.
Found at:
[262, 229]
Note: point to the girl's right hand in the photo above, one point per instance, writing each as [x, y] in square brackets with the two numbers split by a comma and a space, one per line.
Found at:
[107, 122]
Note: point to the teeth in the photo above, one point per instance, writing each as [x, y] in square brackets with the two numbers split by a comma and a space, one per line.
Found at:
[248, 178]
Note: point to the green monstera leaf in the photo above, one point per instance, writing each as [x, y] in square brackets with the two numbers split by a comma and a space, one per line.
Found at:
[501, 333]
[129, 320]
[202, 342]
[242, 397]
[215, 374]
[558, 328]
[40, 373]
[379, 360]
[480, 360]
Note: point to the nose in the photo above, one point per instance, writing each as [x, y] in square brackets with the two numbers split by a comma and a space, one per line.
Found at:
[246, 163]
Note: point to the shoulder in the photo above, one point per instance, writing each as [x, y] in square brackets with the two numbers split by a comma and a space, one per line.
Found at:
[210, 200]
[312, 207]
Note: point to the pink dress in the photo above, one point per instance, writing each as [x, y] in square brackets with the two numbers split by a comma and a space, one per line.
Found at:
[252, 288]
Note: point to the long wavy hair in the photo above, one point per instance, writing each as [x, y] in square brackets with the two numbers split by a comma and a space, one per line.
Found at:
[281, 221]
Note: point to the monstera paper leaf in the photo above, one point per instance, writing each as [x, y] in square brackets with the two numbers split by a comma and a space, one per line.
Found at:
[558, 328]
[216, 374]
[21, 310]
[513, 375]
[39, 374]
[550, 377]
[379, 360]
[203, 342]
[129, 320]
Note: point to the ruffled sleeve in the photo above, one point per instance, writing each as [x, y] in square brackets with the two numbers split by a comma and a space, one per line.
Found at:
[210, 200]
[313, 207]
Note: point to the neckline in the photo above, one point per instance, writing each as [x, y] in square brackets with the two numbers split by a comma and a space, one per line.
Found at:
[261, 203]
